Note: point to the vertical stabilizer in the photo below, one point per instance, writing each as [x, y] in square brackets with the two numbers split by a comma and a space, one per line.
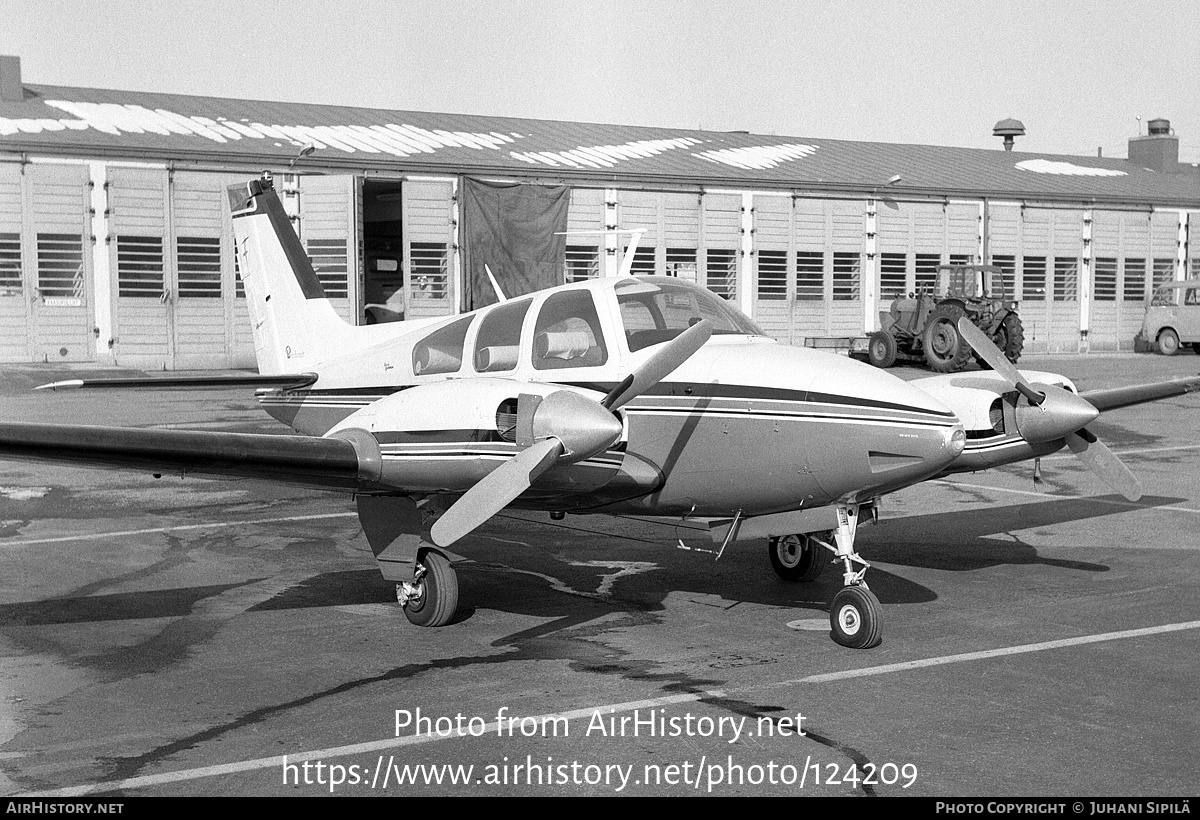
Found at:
[295, 325]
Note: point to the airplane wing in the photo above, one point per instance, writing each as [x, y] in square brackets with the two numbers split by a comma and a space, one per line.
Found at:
[329, 463]
[1139, 394]
[293, 381]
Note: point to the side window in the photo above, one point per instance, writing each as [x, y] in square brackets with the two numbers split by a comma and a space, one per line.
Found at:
[500, 336]
[442, 350]
[568, 333]
[1192, 297]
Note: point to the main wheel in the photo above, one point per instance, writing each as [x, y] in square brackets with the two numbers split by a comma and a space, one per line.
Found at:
[945, 351]
[796, 557]
[433, 599]
[856, 618]
[881, 349]
[1168, 342]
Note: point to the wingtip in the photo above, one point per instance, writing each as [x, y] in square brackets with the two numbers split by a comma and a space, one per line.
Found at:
[69, 384]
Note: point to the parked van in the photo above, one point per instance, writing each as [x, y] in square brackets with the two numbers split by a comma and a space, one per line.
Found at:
[1173, 317]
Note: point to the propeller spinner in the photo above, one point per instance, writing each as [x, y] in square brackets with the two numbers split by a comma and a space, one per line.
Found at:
[1053, 413]
[564, 426]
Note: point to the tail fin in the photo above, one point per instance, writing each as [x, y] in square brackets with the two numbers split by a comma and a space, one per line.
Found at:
[295, 326]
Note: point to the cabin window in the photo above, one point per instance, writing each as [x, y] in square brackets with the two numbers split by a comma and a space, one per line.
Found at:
[499, 338]
[653, 313]
[567, 333]
[442, 350]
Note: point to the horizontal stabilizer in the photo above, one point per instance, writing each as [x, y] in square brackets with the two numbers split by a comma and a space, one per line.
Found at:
[293, 381]
[331, 463]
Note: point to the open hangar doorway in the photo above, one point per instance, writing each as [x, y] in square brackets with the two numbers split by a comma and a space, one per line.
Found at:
[383, 251]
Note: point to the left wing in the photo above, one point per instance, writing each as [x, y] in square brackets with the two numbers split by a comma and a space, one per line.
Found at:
[1117, 397]
[345, 463]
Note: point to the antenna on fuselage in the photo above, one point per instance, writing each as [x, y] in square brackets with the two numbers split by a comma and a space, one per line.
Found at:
[495, 285]
[635, 236]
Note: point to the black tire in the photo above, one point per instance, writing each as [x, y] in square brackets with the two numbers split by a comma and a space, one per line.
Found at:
[1168, 342]
[1010, 337]
[945, 350]
[796, 558]
[436, 597]
[881, 349]
[856, 618]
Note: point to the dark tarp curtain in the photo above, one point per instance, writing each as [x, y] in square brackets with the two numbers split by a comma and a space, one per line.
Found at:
[516, 230]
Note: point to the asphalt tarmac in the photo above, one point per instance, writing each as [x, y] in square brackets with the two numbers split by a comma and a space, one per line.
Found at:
[181, 636]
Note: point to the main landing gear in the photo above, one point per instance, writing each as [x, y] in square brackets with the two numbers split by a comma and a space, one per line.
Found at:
[855, 615]
[431, 598]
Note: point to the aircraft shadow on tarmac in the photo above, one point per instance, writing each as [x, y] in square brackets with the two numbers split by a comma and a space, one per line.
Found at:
[531, 583]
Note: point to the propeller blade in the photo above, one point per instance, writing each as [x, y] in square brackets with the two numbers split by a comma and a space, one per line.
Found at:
[987, 350]
[660, 365]
[1104, 463]
[495, 491]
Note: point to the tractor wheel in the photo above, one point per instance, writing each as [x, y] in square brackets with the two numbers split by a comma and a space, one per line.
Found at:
[881, 349]
[1009, 338]
[945, 351]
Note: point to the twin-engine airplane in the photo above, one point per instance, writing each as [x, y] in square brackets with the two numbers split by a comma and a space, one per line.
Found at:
[640, 396]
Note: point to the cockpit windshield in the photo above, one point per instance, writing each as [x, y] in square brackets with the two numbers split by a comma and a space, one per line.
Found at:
[656, 309]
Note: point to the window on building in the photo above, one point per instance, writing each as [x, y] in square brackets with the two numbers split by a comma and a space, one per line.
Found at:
[60, 265]
[1164, 271]
[810, 275]
[1066, 279]
[1033, 279]
[329, 261]
[1008, 272]
[1105, 289]
[893, 275]
[239, 287]
[10, 264]
[643, 261]
[720, 272]
[583, 263]
[199, 264]
[140, 267]
[681, 263]
[430, 265]
[961, 258]
[847, 275]
[925, 267]
[772, 274]
[1134, 288]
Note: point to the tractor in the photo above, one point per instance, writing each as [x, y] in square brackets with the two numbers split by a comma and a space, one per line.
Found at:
[924, 325]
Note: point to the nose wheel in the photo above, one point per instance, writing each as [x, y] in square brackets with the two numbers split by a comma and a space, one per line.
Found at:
[855, 614]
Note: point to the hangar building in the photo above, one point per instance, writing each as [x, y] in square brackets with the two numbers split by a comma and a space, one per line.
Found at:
[115, 241]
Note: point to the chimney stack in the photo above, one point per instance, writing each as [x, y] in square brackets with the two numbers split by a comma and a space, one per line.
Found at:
[11, 89]
[1159, 150]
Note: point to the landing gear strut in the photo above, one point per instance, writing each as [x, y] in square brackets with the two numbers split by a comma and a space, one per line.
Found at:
[854, 613]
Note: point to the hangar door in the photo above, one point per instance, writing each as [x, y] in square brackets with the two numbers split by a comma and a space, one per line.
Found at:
[56, 250]
[15, 304]
[1132, 253]
[1040, 250]
[329, 217]
[808, 267]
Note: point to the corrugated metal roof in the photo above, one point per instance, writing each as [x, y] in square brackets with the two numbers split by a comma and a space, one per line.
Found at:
[91, 122]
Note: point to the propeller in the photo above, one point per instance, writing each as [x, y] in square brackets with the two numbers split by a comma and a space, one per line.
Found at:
[1055, 413]
[563, 426]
